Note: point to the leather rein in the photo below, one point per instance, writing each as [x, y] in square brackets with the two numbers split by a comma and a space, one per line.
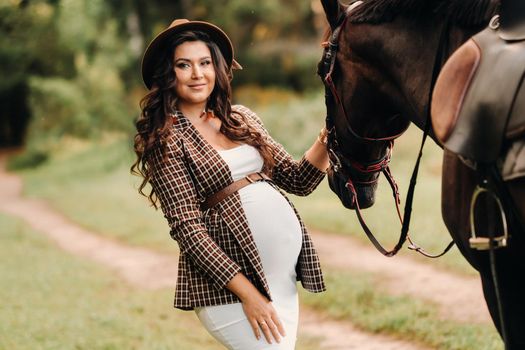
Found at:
[380, 165]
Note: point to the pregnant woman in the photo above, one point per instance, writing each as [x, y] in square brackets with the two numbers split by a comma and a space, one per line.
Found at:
[218, 177]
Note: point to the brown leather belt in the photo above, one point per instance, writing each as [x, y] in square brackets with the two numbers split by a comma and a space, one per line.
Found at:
[235, 186]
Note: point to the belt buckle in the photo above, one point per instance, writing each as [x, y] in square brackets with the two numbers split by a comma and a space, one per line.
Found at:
[250, 180]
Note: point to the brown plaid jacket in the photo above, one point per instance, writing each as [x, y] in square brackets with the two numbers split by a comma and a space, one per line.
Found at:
[217, 244]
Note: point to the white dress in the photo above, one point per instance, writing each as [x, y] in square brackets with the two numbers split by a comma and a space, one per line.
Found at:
[278, 236]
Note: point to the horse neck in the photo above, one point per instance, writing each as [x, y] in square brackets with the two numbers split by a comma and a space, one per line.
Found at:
[405, 51]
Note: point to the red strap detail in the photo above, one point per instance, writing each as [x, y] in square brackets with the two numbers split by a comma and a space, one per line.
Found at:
[350, 186]
[397, 199]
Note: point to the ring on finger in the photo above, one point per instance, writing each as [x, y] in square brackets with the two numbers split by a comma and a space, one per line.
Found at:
[263, 323]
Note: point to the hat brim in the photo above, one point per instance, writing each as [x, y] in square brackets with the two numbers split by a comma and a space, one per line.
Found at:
[154, 50]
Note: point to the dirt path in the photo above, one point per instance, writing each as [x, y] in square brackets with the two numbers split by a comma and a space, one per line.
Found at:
[147, 269]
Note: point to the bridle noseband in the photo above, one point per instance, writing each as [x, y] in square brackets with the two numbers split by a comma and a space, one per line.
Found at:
[344, 167]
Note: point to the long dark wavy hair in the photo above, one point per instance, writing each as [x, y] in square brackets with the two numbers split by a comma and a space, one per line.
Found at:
[154, 126]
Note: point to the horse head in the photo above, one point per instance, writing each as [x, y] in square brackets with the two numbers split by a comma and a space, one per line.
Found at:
[378, 73]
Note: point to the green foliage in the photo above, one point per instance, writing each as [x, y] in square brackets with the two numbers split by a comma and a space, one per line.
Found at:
[58, 106]
[70, 54]
[253, 26]
[79, 23]
[304, 114]
[30, 44]
[83, 107]
[87, 29]
[31, 158]
[76, 61]
[246, 22]
[285, 63]
[93, 98]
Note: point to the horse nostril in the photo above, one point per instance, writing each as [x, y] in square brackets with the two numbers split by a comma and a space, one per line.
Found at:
[366, 196]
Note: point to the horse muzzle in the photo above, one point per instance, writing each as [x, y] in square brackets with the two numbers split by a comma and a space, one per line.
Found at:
[350, 193]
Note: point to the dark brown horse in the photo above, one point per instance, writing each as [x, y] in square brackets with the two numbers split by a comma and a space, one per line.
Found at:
[382, 63]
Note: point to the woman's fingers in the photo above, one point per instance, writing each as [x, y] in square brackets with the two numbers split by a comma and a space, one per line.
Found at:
[263, 318]
[266, 331]
[269, 330]
[279, 325]
[255, 327]
[275, 331]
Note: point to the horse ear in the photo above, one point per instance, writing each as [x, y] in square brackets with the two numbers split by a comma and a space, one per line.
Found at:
[333, 10]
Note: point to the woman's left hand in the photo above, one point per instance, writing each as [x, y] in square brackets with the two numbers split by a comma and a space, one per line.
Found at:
[258, 309]
[263, 317]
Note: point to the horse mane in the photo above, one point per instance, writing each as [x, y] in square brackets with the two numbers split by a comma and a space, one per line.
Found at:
[461, 12]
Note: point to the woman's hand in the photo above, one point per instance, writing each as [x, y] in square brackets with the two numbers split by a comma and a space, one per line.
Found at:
[258, 309]
[263, 317]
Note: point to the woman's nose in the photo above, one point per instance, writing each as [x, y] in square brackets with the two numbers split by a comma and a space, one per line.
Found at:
[196, 72]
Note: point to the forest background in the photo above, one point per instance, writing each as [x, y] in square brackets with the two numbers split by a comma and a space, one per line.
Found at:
[72, 67]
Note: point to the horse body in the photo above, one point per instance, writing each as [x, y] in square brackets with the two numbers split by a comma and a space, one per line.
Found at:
[458, 184]
[383, 76]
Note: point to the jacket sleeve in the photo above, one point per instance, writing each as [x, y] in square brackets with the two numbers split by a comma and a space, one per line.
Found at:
[173, 185]
[296, 177]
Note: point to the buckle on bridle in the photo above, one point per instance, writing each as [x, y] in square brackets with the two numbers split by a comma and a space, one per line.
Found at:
[335, 161]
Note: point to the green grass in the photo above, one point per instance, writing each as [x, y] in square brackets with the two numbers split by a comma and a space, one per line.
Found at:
[52, 300]
[355, 297]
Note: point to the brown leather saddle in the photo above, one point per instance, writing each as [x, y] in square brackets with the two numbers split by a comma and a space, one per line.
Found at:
[478, 105]
[479, 97]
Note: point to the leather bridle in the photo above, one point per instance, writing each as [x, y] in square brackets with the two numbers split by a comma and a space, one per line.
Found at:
[381, 165]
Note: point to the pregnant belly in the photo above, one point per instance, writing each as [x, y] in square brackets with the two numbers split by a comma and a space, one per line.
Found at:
[275, 229]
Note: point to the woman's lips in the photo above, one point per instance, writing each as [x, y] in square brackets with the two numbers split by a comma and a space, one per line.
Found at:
[197, 86]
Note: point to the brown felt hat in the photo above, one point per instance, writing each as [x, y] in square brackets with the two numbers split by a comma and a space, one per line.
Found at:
[158, 44]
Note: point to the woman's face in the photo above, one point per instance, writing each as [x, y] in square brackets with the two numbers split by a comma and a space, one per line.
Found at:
[195, 73]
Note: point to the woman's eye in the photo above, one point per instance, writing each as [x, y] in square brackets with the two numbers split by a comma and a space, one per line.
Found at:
[182, 65]
[206, 63]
